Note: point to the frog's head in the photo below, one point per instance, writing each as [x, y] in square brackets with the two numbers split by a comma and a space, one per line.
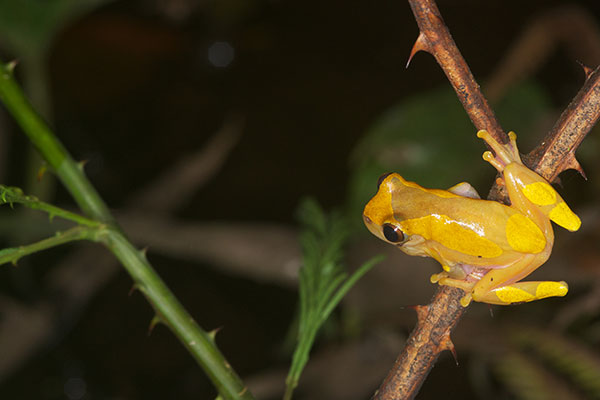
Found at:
[379, 215]
[385, 214]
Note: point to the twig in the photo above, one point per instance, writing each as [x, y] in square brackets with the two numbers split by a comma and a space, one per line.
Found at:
[10, 195]
[437, 320]
[14, 254]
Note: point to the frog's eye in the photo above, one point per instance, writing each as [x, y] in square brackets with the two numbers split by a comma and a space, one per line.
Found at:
[393, 233]
[382, 178]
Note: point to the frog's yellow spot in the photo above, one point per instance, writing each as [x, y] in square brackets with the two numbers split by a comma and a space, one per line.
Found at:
[442, 229]
[551, 289]
[509, 294]
[446, 268]
[523, 235]
[563, 216]
[540, 193]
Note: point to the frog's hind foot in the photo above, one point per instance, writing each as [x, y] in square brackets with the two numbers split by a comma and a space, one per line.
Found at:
[522, 292]
[504, 153]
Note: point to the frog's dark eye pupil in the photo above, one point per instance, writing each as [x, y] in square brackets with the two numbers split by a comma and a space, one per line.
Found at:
[382, 178]
[392, 233]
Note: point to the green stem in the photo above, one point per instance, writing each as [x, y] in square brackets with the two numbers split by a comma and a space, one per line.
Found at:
[200, 343]
[15, 195]
[168, 308]
[69, 172]
[35, 78]
[13, 254]
[300, 359]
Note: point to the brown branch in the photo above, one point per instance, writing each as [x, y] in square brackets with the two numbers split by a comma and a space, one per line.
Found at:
[435, 39]
[430, 337]
[436, 321]
[556, 153]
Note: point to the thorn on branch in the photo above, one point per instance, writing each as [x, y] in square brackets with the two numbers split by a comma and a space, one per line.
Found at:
[446, 344]
[421, 311]
[586, 70]
[572, 163]
[421, 44]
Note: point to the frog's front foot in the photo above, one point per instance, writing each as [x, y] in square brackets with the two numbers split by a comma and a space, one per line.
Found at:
[466, 300]
[435, 278]
[443, 279]
[504, 153]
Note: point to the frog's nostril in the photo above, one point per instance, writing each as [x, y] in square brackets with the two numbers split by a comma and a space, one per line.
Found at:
[367, 219]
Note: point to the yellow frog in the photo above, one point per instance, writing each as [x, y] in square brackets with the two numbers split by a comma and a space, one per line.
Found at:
[484, 247]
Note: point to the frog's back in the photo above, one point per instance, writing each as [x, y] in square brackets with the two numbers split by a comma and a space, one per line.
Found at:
[474, 229]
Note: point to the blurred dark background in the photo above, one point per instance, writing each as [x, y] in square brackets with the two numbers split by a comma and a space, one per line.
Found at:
[134, 87]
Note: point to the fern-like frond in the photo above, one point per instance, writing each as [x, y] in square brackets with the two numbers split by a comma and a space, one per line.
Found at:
[323, 279]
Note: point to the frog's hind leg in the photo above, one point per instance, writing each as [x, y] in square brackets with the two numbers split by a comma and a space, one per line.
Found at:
[522, 183]
[522, 292]
[502, 286]
[525, 187]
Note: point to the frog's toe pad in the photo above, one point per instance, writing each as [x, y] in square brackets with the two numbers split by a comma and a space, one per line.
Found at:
[466, 300]
[435, 278]
[551, 289]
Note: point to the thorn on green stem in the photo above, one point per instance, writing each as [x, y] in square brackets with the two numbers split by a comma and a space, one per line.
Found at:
[134, 287]
[155, 321]
[213, 333]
